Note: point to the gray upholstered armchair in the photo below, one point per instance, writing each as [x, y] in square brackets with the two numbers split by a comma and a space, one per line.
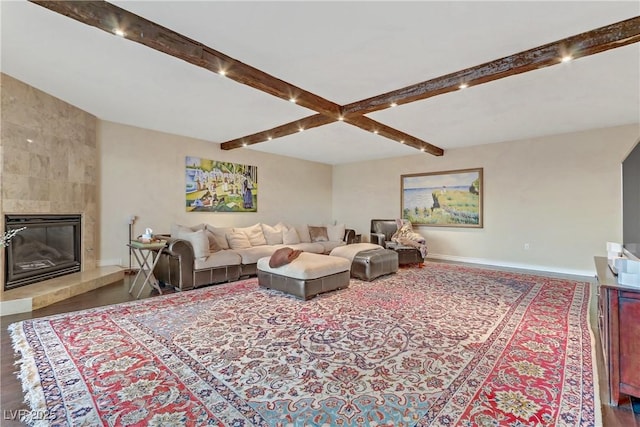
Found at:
[381, 232]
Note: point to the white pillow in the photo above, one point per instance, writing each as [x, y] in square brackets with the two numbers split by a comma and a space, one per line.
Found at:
[220, 234]
[336, 232]
[238, 240]
[303, 233]
[199, 241]
[290, 237]
[254, 233]
[176, 229]
[273, 235]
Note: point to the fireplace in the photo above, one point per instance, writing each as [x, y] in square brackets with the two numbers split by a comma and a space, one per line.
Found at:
[49, 247]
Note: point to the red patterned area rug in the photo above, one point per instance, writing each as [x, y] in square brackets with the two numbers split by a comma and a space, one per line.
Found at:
[443, 345]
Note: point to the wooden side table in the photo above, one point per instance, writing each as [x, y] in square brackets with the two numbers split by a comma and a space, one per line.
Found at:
[147, 255]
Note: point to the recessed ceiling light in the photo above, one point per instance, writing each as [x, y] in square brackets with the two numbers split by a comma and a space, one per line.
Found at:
[341, 118]
[463, 86]
[222, 73]
[269, 138]
[567, 58]
[375, 131]
[402, 141]
[292, 100]
[118, 32]
[393, 104]
[300, 130]
[244, 144]
[29, 140]
[422, 149]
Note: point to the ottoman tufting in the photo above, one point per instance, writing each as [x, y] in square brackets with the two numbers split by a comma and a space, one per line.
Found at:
[368, 260]
[306, 276]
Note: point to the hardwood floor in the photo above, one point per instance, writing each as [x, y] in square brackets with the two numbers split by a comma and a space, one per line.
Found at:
[11, 396]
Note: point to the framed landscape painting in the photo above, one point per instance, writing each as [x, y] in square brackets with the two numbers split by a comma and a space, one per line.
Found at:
[443, 199]
[215, 186]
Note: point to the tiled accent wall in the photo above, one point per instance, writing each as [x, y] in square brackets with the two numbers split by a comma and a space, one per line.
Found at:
[48, 160]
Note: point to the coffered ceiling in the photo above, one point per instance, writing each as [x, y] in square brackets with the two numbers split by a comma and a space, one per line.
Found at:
[335, 54]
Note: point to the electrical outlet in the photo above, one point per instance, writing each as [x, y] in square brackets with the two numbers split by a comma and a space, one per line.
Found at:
[526, 246]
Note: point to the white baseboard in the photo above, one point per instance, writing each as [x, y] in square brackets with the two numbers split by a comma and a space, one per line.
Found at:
[543, 268]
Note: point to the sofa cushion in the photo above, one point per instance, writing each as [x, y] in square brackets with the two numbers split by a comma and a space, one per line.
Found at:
[238, 240]
[290, 236]
[313, 248]
[273, 235]
[254, 233]
[219, 259]
[329, 246]
[199, 242]
[318, 234]
[220, 234]
[336, 232]
[253, 254]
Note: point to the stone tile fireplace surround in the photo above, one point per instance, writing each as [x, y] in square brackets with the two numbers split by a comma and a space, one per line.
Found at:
[48, 165]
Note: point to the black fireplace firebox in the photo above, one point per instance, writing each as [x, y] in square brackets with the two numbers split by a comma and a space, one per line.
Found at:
[48, 247]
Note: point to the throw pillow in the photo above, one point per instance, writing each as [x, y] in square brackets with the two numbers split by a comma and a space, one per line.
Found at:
[254, 233]
[199, 242]
[336, 232]
[280, 257]
[290, 237]
[178, 228]
[318, 234]
[303, 232]
[238, 240]
[283, 256]
[273, 235]
[295, 254]
[213, 243]
[220, 234]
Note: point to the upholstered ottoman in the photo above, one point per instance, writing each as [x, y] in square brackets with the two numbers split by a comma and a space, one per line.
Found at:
[306, 276]
[368, 260]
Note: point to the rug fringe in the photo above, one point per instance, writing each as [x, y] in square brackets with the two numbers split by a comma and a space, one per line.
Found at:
[28, 376]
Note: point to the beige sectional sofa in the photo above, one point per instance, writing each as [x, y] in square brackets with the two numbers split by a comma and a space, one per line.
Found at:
[205, 254]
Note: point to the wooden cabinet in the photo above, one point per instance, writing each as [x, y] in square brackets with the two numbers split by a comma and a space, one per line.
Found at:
[619, 327]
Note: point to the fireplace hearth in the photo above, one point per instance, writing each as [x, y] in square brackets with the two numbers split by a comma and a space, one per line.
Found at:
[49, 247]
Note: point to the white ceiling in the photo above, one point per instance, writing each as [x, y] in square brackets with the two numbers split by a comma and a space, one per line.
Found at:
[342, 51]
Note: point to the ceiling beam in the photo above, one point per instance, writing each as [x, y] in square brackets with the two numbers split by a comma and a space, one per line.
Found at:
[278, 132]
[370, 125]
[584, 44]
[110, 18]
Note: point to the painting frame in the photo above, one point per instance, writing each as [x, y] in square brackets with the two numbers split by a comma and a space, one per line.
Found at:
[220, 186]
[456, 198]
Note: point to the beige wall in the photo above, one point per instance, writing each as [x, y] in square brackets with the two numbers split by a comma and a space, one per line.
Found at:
[48, 161]
[560, 194]
[142, 173]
